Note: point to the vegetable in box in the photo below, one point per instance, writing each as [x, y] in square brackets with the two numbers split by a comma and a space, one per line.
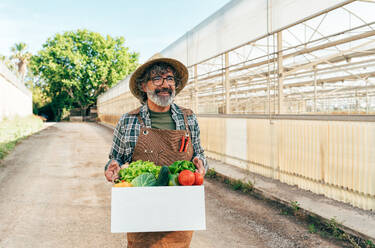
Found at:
[144, 180]
[138, 168]
[181, 165]
[145, 173]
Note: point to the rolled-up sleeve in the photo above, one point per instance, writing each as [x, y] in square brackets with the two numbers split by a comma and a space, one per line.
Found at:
[118, 149]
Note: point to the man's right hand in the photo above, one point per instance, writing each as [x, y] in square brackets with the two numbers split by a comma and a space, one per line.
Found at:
[112, 171]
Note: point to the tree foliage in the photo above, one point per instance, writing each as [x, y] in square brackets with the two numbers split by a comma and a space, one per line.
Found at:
[22, 57]
[8, 63]
[75, 67]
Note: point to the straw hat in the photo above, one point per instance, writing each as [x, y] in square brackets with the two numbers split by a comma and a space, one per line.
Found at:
[180, 68]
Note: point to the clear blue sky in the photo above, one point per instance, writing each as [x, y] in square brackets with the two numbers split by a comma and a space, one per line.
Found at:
[147, 25]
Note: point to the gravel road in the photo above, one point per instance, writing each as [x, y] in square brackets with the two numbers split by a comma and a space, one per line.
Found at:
[53, 194]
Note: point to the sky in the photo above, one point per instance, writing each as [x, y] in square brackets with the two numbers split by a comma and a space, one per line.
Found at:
[148, 26]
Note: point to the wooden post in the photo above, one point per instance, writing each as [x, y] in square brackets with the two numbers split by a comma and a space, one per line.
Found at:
[367, 102]
[280, 73]
[356, 101]
[227, 85]
[315, 89]
[195, 99]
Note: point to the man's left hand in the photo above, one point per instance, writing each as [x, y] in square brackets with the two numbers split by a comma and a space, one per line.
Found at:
[199, 164]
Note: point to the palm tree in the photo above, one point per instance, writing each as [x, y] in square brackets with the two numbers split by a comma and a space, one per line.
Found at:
[22, 57]
[5, 60]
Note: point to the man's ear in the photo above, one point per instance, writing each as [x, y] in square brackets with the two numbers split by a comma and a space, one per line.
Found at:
[144, 87]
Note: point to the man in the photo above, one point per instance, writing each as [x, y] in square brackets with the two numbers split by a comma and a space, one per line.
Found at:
[158, 131]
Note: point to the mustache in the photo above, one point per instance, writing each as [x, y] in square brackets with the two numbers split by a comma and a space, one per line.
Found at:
[157, 91]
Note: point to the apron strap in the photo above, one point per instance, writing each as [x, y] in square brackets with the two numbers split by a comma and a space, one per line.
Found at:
[186, 124]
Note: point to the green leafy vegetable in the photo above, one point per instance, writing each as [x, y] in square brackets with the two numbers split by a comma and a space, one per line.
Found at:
[144, 180]
[138, 168]
[173, 180]
[181, 165]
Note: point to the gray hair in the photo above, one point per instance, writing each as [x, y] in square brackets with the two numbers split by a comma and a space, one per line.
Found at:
[157, 68]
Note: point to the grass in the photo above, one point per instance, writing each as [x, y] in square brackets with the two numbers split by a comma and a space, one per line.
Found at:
[237, 185]
[15, 129]
[312, 228]
[242, 186]
[295, 205]
[211, 173]
[332, 228]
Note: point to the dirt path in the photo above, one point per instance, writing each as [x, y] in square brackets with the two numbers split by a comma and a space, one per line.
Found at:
[53, 194]
[242, 221]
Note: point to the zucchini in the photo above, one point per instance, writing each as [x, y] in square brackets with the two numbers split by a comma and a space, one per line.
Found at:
[163, 177]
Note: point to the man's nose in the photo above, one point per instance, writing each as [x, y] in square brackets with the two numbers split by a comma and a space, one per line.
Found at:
[164, 80]
[164, 84]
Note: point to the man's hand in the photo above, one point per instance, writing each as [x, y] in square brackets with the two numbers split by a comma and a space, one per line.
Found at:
[112, 171]
[199, 164]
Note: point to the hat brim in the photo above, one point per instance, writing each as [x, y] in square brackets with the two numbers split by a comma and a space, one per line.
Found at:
[180, 68]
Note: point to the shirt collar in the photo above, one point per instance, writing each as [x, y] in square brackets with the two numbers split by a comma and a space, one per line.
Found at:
[145, 115]
[176, 111]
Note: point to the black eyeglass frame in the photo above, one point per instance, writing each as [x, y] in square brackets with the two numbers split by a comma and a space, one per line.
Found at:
[159, 80]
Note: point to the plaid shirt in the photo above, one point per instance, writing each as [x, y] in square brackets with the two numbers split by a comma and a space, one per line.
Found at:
[126, 134]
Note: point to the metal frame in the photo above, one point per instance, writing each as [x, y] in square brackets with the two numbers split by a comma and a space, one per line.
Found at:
[301, 69]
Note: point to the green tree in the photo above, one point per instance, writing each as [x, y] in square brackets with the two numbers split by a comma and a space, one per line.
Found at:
[22, 57]
[9, 64]
[75, 67]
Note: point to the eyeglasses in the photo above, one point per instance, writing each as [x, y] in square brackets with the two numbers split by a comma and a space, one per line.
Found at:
[158, 80]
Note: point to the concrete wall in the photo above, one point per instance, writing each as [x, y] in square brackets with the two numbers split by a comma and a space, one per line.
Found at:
[15, 98]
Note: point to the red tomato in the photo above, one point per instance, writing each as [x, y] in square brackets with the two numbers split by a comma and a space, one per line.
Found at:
[186, 178]
[198, 178]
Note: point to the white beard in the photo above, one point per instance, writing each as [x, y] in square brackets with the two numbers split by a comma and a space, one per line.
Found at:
[162, 101]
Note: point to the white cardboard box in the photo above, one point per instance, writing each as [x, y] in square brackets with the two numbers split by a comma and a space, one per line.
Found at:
[153, 209]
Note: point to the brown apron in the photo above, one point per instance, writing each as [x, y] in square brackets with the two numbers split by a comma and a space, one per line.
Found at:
[161, 147]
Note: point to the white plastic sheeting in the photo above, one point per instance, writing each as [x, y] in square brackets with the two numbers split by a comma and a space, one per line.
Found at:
[237, 23]
[240, 22]
[118, 89]
[15, 98]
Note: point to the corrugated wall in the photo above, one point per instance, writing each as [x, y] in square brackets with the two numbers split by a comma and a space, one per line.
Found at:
[15, 98]
[334, 158]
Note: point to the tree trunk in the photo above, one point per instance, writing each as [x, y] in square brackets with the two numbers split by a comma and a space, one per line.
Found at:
[22, 69]
[83, 112]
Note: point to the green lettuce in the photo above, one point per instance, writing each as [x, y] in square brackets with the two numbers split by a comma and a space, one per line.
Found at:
[181, 165]
[138, 168]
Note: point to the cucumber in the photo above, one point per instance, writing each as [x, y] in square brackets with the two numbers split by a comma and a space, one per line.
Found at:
[163, 177]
